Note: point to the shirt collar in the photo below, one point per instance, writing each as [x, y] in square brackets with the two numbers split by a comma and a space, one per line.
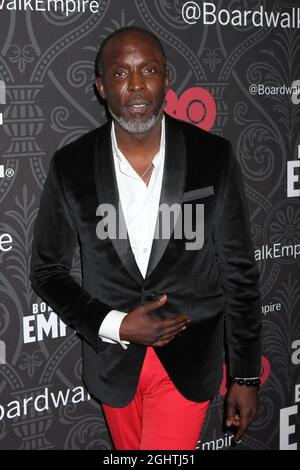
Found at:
[123, 162]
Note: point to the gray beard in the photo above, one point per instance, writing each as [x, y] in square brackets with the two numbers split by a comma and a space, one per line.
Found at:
[135, 127]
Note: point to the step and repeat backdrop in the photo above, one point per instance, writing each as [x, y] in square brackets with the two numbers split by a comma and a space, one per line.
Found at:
[235, 69]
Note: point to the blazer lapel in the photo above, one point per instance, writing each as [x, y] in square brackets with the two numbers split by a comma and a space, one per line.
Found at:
[107, 192]
[172, 185]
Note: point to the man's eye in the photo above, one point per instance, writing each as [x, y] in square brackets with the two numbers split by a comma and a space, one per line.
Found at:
[119, 73]
[151, 69]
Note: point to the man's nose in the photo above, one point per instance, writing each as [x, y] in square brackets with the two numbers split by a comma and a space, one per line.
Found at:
[136, 82]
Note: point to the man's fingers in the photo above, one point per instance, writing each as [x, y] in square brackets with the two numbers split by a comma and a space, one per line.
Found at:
[170, 333]
[173, 322]
[242, 422]
[154, 304]
[242, 426]
[236, 421]
[163, 342]
[168, 336]
[231, 412]
[173, 329]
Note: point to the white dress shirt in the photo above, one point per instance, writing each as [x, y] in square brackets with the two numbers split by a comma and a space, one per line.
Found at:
[140, 207]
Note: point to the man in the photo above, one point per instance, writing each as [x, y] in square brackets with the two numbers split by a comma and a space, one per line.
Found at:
[151, 308]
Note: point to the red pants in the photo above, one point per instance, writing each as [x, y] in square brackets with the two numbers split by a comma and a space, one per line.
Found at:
[158, 417]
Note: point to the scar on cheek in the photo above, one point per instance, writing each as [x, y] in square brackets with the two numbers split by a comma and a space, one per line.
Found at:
[123, 89]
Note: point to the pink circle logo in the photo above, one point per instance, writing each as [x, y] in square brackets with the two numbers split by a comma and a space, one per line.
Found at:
[196, 106]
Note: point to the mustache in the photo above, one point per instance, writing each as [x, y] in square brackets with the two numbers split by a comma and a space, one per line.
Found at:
[138, 99]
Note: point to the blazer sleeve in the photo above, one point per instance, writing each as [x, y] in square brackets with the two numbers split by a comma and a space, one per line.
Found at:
[54, 242]
[239, 273]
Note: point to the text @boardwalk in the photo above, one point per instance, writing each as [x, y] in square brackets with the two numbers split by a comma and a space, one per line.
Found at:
[208, 14]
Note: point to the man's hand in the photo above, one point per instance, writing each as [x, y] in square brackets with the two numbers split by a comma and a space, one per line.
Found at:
[141, 328]
[241, 407]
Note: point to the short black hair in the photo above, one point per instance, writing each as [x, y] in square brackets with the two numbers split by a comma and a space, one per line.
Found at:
[134, 29]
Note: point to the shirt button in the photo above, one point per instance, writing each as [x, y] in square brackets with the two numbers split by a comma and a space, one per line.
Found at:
[145, 250]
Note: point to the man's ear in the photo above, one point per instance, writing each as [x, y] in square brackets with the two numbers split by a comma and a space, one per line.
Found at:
[100, 87]
[167, 80]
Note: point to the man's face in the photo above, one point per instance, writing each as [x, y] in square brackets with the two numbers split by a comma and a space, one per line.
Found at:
[134, 80]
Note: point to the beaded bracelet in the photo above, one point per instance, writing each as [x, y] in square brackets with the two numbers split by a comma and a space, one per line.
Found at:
[247, 382]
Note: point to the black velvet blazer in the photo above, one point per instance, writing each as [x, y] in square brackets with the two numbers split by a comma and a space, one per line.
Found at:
[214, 285]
